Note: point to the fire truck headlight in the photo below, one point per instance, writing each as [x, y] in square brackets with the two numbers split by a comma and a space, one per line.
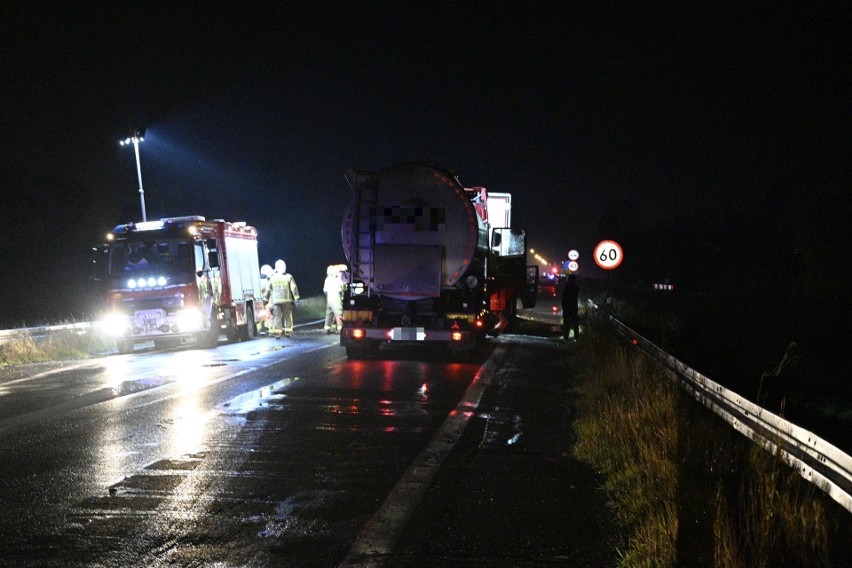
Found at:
[131, 283]
[188, 320]
[152, 281]
[161, 281]
[116, 325]
[141, 282]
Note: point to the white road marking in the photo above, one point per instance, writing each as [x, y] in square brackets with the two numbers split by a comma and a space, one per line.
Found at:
[380, 534]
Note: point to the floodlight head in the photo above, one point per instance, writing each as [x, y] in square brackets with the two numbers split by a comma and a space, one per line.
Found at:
[136, 135]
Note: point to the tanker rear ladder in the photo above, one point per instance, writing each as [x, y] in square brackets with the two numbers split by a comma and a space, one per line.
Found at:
[367, 199]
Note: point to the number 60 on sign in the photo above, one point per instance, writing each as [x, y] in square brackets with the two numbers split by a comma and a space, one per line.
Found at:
[608, 254]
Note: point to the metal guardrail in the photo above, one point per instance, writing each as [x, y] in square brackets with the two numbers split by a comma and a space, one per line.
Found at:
[77, 327]
[45, 330]
[813, 458]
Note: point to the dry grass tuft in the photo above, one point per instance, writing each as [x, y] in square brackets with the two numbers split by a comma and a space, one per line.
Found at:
[23, 348]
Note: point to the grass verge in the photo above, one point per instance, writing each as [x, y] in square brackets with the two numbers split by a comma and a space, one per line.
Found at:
[23, 348]
[689, 489]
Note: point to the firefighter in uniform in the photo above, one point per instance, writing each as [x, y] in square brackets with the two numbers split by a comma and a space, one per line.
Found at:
[283, 295]
[264, 320]
[333, 288]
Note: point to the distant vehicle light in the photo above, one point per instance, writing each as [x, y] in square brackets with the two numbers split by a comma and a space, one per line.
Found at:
[479, 323]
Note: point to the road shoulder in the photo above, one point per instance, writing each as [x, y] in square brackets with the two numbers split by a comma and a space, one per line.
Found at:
[511, 493]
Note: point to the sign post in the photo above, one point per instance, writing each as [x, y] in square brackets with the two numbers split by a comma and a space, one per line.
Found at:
[608, 255]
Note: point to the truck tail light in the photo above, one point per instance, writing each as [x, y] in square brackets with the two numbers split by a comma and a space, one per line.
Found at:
[358, 333]
[456, 336]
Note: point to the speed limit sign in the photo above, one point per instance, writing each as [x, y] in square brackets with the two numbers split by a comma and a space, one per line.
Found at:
[608, 255]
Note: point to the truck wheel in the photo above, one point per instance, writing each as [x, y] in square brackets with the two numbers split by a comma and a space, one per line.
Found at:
[250, 331]
[233, 332]
[124, 346]
[210, 337]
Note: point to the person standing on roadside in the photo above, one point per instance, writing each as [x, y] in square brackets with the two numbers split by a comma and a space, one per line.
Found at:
[570, 299]
[264, 320]
[283, 295]
[333, 288]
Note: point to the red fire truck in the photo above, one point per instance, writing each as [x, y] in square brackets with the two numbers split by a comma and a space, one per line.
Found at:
[180, 278]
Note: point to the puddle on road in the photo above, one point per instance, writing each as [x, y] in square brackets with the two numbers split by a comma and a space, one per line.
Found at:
[258, 398]
[287, 520]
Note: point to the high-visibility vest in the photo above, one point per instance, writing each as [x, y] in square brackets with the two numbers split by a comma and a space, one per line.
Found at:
[282, 288]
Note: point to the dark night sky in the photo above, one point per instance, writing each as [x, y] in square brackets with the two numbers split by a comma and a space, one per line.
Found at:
[255, 113]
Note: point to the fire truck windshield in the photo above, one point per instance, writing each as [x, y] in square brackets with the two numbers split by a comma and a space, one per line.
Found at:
[151, 258]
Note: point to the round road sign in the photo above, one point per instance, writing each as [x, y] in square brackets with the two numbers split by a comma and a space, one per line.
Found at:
[608, 255]
[573, 266]
[573, 255]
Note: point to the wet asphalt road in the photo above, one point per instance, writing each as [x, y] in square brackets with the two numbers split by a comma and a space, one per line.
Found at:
[284, 453]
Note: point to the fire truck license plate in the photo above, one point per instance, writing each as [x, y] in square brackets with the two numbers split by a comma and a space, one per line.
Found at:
[150, 318]
[408, 334]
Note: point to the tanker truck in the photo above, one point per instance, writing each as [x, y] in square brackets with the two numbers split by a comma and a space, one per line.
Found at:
[429, 261]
